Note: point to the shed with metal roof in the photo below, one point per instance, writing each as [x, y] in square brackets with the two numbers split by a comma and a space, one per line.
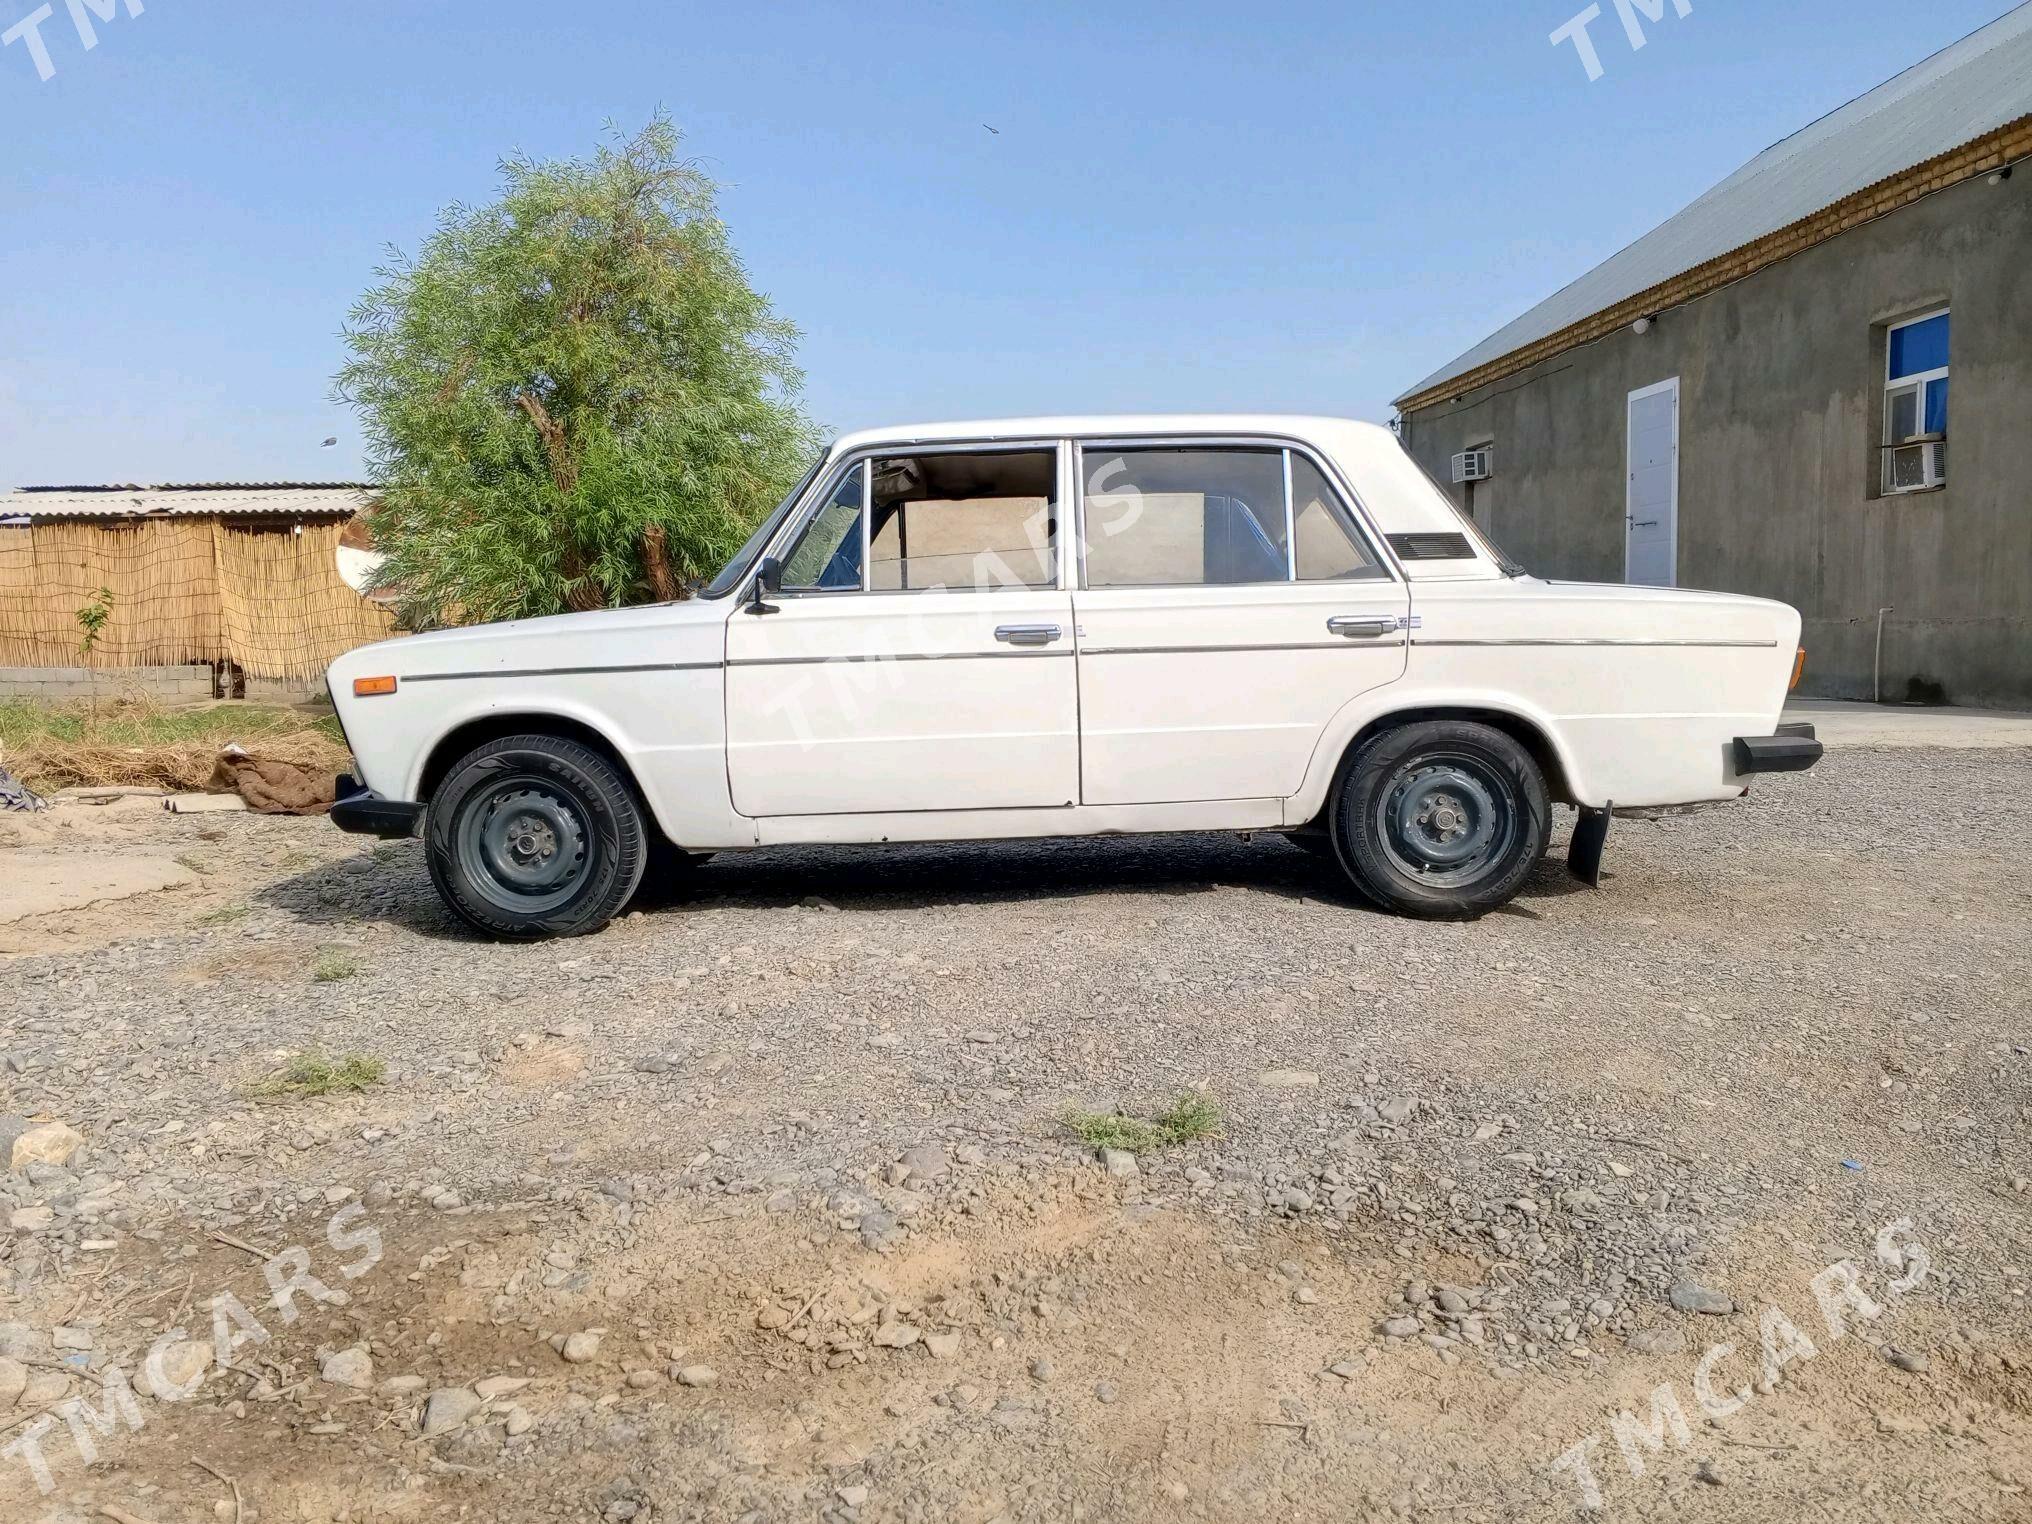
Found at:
[1755, 396]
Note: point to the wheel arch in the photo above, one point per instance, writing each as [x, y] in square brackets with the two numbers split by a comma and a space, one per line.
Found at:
[477, 731]
[1529, 731]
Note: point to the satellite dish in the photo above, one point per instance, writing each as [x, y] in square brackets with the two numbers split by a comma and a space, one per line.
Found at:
[361, 569]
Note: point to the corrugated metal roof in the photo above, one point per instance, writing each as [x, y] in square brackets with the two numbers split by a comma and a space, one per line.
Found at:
[1979, 84]
[280, 499]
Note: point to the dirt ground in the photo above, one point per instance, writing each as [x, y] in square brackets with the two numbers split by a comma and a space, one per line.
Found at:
[784, 1150]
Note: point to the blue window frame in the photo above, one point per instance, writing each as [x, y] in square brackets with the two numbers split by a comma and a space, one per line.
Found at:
[1915, 404]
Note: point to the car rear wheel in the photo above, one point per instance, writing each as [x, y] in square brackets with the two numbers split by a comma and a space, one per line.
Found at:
[535, 836]
[1441, 819]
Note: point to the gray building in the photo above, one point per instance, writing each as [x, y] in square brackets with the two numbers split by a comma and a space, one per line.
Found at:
[1755, 396]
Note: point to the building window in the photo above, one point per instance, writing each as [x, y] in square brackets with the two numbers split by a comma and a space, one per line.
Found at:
[1915, 404]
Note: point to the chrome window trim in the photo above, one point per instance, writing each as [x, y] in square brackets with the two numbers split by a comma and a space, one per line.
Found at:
[824, 485]
[1290, 525]
[1355, 515]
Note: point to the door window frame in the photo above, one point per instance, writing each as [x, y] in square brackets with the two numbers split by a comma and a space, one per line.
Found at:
[827, 482]
[1351, 512]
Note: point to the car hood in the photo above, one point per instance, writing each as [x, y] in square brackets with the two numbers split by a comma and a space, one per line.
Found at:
[654, 635]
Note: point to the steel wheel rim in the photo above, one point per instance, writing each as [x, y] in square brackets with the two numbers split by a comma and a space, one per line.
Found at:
[525, 844]
[1444, 820]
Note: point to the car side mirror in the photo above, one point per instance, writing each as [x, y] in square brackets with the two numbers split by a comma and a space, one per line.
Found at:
[768, 579]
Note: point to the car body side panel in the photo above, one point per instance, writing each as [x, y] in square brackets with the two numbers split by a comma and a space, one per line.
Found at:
[649, 680]
[1640, 691]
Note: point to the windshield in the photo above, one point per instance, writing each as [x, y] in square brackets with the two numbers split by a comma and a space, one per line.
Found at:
[731, 574]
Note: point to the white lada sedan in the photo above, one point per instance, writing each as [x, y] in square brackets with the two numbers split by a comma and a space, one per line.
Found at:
[1072, 627]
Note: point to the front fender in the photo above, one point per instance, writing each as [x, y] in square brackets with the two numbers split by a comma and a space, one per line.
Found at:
[446, 720]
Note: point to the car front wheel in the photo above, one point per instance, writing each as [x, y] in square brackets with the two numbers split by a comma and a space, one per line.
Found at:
[535, 836]
[1441, 819]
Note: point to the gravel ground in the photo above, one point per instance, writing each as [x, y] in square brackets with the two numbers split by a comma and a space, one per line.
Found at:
[790, 1138]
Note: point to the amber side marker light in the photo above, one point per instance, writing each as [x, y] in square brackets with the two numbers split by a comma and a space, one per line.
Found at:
[1798, 671]
[368, 687]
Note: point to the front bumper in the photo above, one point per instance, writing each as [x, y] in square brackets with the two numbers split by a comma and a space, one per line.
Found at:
[362, 812]
[1792, 750]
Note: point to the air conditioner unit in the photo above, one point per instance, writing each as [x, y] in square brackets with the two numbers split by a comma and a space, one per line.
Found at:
[1917, 464]
[1474, 465]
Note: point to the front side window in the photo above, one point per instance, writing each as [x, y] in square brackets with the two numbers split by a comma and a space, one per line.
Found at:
[827, 556]
[1185, 517]
[957, 521]
[1915, 404]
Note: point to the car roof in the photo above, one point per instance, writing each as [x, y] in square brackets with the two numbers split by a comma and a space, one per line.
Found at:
[1398, 495]
[1311, 428]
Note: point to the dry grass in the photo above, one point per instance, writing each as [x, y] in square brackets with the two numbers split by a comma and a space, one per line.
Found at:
[135, 742]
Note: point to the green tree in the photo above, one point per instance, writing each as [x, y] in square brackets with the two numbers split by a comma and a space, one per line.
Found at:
[573, 398]
[92, 617]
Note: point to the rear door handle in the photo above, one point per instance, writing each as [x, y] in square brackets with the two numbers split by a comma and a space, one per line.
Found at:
[1028, 634]
[1363, 626]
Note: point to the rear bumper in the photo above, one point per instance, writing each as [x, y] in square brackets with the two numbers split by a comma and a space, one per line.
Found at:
[1792, 750]
[362, 812]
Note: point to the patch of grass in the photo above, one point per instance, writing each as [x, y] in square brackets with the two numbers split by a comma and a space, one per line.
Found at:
[316, 1073]
[225, 915]
[137, 742]
[333, 964]
[187, 860]
[1191, 1117]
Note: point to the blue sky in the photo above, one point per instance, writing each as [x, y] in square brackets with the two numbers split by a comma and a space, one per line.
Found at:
[1296, 206]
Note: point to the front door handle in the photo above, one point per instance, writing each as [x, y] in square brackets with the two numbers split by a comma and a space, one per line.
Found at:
[1028, 634]
[1363, 626]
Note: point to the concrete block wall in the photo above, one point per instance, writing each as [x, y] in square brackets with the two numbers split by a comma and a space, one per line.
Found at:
[1781, 400]
[167, 685]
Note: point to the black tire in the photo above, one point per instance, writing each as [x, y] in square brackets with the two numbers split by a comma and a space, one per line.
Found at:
[1441, 819]
[535, 836]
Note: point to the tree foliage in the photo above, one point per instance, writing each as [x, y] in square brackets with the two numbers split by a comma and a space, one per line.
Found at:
[573, 397]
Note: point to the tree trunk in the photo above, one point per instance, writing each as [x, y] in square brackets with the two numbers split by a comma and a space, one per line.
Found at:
[656, 562]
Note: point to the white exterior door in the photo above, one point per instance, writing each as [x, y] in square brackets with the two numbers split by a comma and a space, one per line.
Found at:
[1206, 671]
[893, 680]
[1651, 507]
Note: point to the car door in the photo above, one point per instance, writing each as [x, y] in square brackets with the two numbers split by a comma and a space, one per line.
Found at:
[919, 656]
[1231, 602]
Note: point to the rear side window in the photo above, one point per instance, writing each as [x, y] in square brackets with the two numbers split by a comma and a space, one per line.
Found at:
[1169, 517]
[1158, 518]
[1327, 550]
